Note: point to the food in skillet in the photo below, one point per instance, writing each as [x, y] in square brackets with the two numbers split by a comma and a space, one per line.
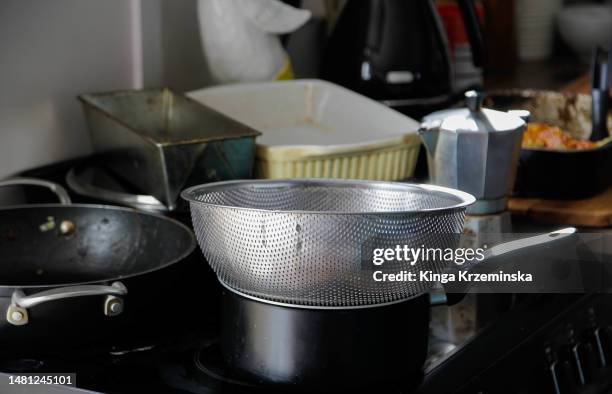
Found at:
[543, 135]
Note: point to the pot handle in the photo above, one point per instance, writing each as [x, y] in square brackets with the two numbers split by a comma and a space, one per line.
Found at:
[503, 250]
[57, 189]
[17, 312]
[506, 248]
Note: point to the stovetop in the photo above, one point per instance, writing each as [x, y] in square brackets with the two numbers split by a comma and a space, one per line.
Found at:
[508, 355]
[521, 345]
[184, 364]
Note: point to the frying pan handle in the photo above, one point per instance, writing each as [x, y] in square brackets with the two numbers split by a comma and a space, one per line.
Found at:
[17, 313]
[58, 190]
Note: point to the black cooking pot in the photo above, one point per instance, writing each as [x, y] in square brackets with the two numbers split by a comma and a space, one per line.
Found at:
[374, 348]
[304, 308]
[72, 274]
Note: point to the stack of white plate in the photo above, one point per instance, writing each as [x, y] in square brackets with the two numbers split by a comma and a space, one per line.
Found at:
[535, 27]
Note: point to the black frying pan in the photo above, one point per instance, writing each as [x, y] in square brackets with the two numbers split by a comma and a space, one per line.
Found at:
[558, 174]
[72, 273]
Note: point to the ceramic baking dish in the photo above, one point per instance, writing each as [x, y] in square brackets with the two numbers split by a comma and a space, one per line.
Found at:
[313, 128]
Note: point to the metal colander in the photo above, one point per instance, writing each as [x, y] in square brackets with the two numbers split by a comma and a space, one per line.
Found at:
[309, 242]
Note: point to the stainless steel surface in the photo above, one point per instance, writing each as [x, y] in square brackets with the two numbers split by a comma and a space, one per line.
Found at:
[60, 293]
[473, 100]
[486, 207]
[523, 243]
[521, 113]
[83, 180]
[496, 223]
[434, 301]
[58, 190]
[161, 142]
[436, 295]
[475, 150]
[17, 312]
[305, 242]
[113, 305]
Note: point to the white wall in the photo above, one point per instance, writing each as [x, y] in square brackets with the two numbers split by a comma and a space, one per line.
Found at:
[184, 66]
[50, 52]
[53, 50]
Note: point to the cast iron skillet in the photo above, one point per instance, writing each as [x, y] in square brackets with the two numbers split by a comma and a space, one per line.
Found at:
[558, 174]
[71, 274]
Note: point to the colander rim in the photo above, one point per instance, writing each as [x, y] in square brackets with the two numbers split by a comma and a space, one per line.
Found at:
[465, 199]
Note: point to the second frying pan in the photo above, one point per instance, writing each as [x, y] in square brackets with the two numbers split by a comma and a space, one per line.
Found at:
[558, 174]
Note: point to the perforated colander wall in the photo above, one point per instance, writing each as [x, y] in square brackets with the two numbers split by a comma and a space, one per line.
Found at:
[308, 244]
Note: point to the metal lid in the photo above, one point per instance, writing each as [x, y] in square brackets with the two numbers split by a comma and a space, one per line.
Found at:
[474, 118]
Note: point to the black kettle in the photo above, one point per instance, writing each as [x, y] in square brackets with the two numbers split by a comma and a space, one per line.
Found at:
[396, 51]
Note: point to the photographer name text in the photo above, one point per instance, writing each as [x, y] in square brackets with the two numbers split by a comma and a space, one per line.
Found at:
[448, 277]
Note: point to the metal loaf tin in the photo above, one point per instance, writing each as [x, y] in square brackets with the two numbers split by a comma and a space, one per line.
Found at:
[161, 142]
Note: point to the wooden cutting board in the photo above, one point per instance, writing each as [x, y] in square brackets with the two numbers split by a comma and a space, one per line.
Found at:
[591, 212]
